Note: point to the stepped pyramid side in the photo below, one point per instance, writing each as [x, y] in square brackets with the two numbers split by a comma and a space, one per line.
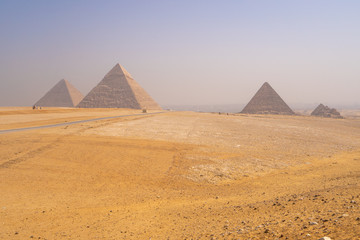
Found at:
[63, 94]
[267, 101]
[142, 97]
[325, 111]
[118, 90]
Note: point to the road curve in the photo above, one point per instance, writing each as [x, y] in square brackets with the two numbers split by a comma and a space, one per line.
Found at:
[71, 123]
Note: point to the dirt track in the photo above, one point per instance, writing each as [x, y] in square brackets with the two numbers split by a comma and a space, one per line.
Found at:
[179, 175]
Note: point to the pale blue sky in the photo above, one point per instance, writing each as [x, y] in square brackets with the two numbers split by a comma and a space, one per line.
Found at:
[184, 52]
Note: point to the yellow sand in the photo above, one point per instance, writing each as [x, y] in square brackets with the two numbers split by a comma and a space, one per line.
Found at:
[178, 175]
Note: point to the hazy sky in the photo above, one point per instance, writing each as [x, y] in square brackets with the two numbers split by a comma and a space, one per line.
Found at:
[184, 52]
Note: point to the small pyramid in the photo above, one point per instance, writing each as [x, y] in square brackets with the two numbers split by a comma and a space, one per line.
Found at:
[63, 94]
[118, 90]
[267, 101]
[325, 111]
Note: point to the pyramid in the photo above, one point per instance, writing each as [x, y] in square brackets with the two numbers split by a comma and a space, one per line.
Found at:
[118, 90]
[63, 94]
[267, 101]
[325, 111]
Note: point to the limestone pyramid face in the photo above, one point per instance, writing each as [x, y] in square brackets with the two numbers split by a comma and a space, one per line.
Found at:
[63, 94]
[267, 101]
[118, 90]
[325, 111]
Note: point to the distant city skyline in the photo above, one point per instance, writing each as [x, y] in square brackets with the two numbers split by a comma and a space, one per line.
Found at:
[184, 52]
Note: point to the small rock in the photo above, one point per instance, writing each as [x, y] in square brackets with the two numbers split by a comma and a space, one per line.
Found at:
[240, 230]
[325, 238]
[308, 235]
[260, 226]
[313, 223]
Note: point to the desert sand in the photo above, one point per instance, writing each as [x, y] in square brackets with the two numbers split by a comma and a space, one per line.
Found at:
[178, 175]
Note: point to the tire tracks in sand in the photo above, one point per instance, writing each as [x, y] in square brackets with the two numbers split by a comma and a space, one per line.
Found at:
[32, 153]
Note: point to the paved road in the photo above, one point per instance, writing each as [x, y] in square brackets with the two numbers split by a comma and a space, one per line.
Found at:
[71, 123]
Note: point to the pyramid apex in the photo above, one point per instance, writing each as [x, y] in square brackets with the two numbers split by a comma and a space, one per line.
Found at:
[267, 84]
[118, 68]
[118, 65]
[122, 68]
[64, 80]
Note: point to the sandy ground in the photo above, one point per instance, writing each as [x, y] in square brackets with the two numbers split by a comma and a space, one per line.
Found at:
[20, 117]
[178, 175]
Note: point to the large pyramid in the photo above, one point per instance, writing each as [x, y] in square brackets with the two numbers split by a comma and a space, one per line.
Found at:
[63, 94]
[267, 101]
[118, 90]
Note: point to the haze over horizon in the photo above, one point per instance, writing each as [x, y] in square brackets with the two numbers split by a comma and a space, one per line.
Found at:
[184, 52]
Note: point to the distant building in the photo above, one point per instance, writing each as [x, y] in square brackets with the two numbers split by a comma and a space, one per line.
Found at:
[325, 111]
[118, 90]
[63, 94]
[267, 101]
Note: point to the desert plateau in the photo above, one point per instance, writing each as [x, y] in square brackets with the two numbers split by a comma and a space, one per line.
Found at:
[177, 175]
